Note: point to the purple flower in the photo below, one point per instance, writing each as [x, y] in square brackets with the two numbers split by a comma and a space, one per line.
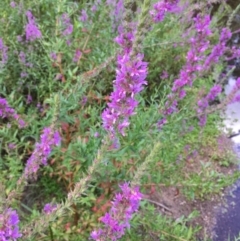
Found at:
[238, 82]
[11, 146]
[49, 208]
[162, 7]
[13, 4]
[21, 123]
[77, 55]
[30, 65]
[129, 81]
[68, 30]
[164, 75]
[7, 112]
[68, 27]
[94, 8]
[53, 56]
[116, 221]
[84, 100]
[22, 57]
[3, 53]
[116, 12]
[218, 50]
[19, 38]
[9, 229]
[48, 140]
[215, 90]
[198, 45]
[84, 16]
[204, 103]
[29, 99]
[24, 74]
[31, 29]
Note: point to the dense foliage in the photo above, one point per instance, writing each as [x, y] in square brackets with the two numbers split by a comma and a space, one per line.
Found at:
[103, 103]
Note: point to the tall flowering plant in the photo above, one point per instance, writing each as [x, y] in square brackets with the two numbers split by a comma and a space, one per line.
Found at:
[31, 29]
[116, 221]
[131, 75]
[129, 82]
[197, 62]
[9, 230]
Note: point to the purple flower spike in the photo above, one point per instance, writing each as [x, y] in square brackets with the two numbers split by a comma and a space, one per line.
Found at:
[204, 103]
[49, 139]
[131, 75]
[197, 62]
[68, 27]
[77, 55]
[84, 16]
[116, 221]
[162, 7]
[7, 112]
[31, 29]
[9, 230]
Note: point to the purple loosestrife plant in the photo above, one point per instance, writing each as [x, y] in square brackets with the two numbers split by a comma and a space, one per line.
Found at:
[9, 230]
[84, 16]
[116, 221]
[162, 7]
[49, 139]
[116, 12]
[7, 112]
[77, 55]
[199, 44]
[67, 25]
[204, 103]
[31, 30]
[197, 62]
[3, 53]
[218, 50]
[130, 78]
[49, 208]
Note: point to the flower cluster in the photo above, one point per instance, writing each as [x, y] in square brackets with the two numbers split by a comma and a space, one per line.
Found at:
[84, 16]
[7, 112]
[199, 44]
[77, 55]
[218, 50]
[131, 76]
[116, 12]
[196, 61]
[49, 139]
[3, 53]
[117, 219]
[204, 103]
[31, 29]
[162, 7]
[68, 27]
[9, 230]
[49, 208]
[129, 81]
